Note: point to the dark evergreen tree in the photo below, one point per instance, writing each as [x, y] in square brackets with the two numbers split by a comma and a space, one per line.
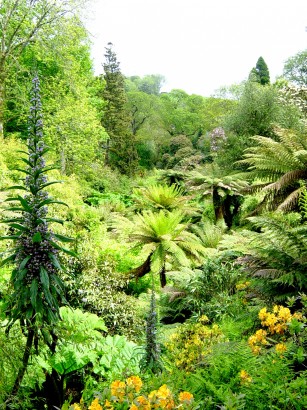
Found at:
[120, 147]
[260, 73]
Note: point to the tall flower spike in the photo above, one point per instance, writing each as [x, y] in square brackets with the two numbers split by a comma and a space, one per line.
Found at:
[38, 289]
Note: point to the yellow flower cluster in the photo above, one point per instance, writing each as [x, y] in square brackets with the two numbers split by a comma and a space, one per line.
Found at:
[277, 323]
[242, 286]
[192, 343]
[124, 394]
[245, 377]
[258, 340]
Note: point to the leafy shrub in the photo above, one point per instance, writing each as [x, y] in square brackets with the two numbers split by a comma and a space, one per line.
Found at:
[126, 395]
[190, 345]
[102, 291]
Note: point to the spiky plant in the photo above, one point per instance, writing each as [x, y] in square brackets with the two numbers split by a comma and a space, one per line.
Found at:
[164, 238]
[152, 357]
[162, 196]
[37, 289]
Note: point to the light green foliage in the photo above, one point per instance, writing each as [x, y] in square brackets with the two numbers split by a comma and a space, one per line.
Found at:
[164, 239]
[295, 69]
[102, 291]
[149, 84]
[256, 111]
[22, 24]
[191, 343]
[156, 197]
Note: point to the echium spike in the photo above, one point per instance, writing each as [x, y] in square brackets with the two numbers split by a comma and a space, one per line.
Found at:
[36, 146]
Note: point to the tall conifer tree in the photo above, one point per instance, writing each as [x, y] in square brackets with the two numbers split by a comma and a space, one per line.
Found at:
[260, 73]
[120, 149]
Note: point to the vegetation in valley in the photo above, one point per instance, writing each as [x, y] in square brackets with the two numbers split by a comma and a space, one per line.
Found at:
[152, 244]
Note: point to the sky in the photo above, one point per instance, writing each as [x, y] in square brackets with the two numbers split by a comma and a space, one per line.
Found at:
[197, 45]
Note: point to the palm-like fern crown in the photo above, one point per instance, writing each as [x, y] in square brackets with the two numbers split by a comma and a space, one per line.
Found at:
[272, 159]
[163, 235]
[280, 165]
[211, 177]
[161, 196]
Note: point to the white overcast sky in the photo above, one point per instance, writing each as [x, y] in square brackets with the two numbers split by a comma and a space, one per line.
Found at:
[198, 45]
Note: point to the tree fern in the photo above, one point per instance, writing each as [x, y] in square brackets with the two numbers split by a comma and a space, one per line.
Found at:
[277, 256]
[163, 237]
[280, 166]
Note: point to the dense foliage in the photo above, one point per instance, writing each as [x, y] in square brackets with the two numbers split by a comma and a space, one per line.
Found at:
[185, 284]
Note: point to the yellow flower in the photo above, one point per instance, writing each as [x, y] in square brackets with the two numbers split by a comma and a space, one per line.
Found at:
[108, 405]
[95, 405]
[185, 396]
[203, 319]
[134, 382]
[164, 392]
[262, 314]
[284, 314]
[245, 377]
[118, 388]
[133, 407]
[142, 403]
[280, 348]
[76, 407]
[152, 396]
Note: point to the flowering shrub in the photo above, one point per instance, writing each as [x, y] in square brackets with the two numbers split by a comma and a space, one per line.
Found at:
[278, 324]
[192, 342]
[125, 396]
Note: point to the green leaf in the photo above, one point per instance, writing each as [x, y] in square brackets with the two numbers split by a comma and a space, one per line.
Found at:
[33, 292]
[63, 238]
[25, 204]
[44, 277]
[18, 226]
[8, 259]
[55, 261]
[24, 262]
[60, 248]
[22, 170]
[14, 187]
[37, 237]
[49, 183]
[2, 238]
[59, 221]
[50, 201]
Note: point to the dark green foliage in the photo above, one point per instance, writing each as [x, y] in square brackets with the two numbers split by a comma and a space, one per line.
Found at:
[120, 147]
[260, 73]
[151, 359]
[37, 289]
[196, 292]
[279, 166]
[277, 256]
